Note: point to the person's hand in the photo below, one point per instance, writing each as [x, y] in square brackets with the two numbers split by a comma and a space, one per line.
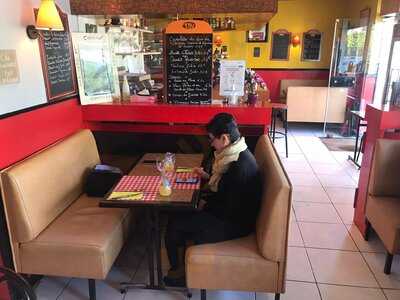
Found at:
[200, 171]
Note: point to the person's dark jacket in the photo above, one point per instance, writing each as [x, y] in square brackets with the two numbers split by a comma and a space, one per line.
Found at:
[238, 197]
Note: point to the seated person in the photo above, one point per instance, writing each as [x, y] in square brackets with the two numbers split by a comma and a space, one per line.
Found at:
[229, 210]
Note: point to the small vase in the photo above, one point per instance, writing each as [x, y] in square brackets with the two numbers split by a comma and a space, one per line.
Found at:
[252, 99]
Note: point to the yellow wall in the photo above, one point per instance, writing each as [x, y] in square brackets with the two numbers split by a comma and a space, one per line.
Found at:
[296, 16]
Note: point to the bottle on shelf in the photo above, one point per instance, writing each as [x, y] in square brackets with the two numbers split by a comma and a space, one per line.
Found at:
[125, 91]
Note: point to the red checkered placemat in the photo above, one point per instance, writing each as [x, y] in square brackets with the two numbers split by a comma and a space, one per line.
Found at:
[148, 184]
[185, 186]
[151, 183]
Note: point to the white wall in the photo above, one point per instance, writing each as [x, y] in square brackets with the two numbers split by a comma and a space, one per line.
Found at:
[30, 91]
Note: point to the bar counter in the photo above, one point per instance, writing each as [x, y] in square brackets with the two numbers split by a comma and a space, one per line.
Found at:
[382, 122]
[173, 118]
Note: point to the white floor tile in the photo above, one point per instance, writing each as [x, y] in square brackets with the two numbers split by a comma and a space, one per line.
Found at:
[298, 267]
[373, 244]
[309, 194]
[335, 292]
[50, 287]
[376, 261]
[304, 179]
[78, 289]
[295, 291]
[328, 169]
[294, 235]
[346, 212]
[328, 236]
[341, 195]
[340, 267]
[392, 294]
[342, 180]
[316, 212]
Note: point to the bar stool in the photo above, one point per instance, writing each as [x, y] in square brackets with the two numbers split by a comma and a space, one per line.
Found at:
[276, 109]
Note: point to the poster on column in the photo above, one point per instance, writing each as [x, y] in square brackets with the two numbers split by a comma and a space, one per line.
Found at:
[188, 62]
[232, 77]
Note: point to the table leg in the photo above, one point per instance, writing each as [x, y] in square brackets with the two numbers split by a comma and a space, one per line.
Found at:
[357, 137]
[157, 237]
[150, 246]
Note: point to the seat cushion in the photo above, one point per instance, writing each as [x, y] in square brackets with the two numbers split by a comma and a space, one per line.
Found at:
[384, 215]
[83, 241]
[231, 265]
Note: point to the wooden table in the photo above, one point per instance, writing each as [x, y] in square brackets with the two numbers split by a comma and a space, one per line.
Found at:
[178, 200]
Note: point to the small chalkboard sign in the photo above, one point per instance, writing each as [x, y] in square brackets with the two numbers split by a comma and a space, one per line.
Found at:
[188, 62]
[58, 62]
[280, 45]
[312, 45]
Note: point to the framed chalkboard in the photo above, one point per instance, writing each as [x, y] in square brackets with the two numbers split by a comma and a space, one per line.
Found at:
[312, 41]
[58, 62]
[188, 65]
[280, 45]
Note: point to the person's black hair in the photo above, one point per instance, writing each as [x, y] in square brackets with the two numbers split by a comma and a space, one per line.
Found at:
[224, 123]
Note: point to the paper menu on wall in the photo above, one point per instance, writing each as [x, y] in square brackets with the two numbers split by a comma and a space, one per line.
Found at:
[232, 77]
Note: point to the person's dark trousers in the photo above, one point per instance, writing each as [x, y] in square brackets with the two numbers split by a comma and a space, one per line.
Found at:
[200, 227]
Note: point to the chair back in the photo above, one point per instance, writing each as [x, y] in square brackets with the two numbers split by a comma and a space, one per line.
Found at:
[273, 221]
[385, 171]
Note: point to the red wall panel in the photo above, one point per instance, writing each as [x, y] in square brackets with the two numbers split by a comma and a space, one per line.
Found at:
[25, 133]
[273, 77]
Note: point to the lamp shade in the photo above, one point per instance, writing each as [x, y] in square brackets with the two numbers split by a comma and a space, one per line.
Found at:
[48, 17]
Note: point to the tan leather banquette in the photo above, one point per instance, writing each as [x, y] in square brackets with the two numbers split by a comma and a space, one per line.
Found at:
[256, 262]
[54, 228]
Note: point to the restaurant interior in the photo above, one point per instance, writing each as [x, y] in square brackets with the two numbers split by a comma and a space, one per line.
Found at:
[104, 123]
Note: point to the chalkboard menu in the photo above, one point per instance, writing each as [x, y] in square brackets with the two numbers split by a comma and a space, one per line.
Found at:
[280, 45]
[311, 45]
[188, 59]
[58, 62]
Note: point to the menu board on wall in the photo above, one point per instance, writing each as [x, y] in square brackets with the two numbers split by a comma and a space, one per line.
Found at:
[58, 62]
[311, 45]
[280, 45]
[188, 62]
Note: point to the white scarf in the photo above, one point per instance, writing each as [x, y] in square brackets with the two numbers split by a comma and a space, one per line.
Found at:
[222, 161]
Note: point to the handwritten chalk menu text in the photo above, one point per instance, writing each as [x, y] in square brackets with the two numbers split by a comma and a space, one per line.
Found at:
[188, 68]
[58, 63]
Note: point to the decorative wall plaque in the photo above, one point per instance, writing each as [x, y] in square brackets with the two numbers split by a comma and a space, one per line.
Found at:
[8, 67]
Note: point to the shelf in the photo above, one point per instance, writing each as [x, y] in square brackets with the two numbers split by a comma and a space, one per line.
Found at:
[133, 53]
[126, 28]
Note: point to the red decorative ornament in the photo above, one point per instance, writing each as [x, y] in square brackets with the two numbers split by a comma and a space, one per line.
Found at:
[218, 40]
[296, 40]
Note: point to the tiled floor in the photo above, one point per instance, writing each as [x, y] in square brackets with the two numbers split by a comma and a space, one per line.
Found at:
[327, 259]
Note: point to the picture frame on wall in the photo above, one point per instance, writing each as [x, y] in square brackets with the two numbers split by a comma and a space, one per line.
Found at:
[259, 35]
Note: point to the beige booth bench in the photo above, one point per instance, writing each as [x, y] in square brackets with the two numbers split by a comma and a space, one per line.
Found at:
[55, 229]
[257, 262]
[383, 202]
[306, 100]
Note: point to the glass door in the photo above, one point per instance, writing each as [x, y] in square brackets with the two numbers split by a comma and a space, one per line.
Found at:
[392, 86]
[347, 77]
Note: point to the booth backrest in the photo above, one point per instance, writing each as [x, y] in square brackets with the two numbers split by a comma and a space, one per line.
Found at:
[385, 172]
[273, 220]
[285, 83]
[45, 184]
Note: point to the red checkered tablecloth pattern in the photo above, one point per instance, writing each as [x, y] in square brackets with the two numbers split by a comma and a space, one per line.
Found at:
[150, 184]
